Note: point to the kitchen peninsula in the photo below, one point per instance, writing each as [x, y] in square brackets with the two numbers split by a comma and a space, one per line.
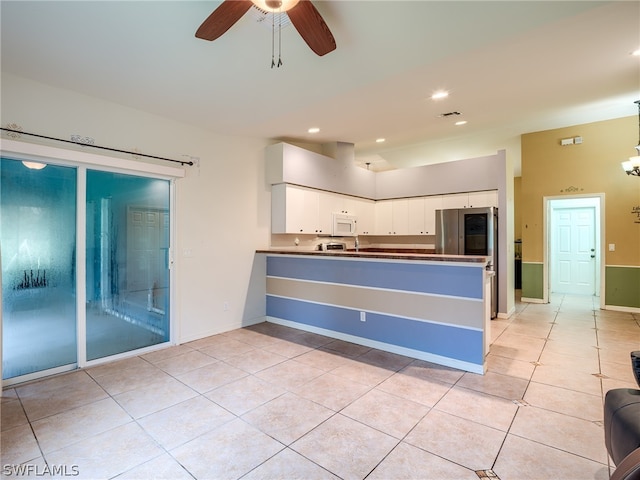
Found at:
[426, 306]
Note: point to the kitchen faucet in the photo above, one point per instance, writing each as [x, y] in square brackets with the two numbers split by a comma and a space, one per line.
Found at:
[357, 244]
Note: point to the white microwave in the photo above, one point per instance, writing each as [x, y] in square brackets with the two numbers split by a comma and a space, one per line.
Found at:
[344, 225]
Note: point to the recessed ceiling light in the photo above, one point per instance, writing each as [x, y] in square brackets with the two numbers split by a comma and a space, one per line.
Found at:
[461, 122]
[380, 140]
[440, 94]
[313, 130]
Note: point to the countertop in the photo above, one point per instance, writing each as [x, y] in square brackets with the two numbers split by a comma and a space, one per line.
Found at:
[374, 253]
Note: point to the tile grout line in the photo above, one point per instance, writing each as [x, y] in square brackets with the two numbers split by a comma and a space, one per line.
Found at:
[508, 432]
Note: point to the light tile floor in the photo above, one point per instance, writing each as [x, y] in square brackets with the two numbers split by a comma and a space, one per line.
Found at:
[273, 402]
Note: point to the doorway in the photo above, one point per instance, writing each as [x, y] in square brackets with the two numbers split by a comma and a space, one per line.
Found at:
[85, 266]
[573, 245]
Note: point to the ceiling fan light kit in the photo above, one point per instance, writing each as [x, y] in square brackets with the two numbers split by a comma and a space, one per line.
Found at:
[275, 6]
[303, 15]
[632, 166]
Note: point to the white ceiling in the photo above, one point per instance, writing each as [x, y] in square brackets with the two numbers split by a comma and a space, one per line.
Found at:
[511, 68]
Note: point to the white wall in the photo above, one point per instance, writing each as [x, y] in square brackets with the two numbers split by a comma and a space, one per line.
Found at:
[292, 164]
[222, 206]
[469, 175]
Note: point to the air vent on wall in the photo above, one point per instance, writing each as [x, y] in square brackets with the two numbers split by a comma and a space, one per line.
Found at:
[449, 114]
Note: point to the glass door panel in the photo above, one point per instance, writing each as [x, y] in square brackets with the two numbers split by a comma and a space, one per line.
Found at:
[38, 240]
[127, 263]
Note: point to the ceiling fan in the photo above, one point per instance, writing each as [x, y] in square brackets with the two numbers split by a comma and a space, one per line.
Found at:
[303, 15]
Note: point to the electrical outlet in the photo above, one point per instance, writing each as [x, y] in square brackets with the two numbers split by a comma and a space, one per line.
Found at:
[363, 316]
[225, 306]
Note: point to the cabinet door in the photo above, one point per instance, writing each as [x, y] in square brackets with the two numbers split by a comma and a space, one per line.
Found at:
[416, 216]
[392, 217]
[384, 223]
[431, 204]
[278, 208]
[487, 198]
[400, 216]
[364, 210]
[328, 203]
[348, 204]
[288, 213]
[455, 200]
[302, 210]
[295, 211]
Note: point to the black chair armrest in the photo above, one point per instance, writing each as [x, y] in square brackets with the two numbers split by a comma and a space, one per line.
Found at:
[629, 467]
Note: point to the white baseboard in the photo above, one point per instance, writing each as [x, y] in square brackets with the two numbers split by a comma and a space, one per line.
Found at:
[619, 308]
[532, 300]
[508, 314]
[221, 329]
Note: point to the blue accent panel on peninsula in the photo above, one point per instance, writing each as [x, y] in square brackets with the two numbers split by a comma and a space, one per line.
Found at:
[453, 280]
[445, 340]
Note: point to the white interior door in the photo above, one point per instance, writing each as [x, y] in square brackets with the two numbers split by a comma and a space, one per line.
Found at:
[573, 251]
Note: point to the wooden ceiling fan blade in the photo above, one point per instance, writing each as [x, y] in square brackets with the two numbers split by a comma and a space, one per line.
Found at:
[312, 28]
[223, 18]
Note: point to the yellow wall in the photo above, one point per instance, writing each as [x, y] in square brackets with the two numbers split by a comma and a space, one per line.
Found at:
[517, 214]
[549, 169]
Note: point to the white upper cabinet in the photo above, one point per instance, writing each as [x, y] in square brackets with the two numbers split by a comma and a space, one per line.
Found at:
[431, 204]
[422, 214]
[295, 210]
[416, 215]
[392, 217]
[455, 200]
[347, 204]
[328, 203]
[400, 216]
[304, 210]
[487, 198]
[383, 217]
[364, 210]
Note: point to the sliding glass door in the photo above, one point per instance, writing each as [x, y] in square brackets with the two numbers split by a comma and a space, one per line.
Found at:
[38, 241]
[127, 263]
[124, 279]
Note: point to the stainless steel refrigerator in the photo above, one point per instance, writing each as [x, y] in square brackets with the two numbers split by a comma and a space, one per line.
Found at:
[471, 231]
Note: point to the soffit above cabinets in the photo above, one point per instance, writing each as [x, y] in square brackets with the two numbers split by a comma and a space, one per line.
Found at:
[287, 163]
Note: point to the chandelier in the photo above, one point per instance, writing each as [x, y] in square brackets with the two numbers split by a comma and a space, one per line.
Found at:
[632, 166]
